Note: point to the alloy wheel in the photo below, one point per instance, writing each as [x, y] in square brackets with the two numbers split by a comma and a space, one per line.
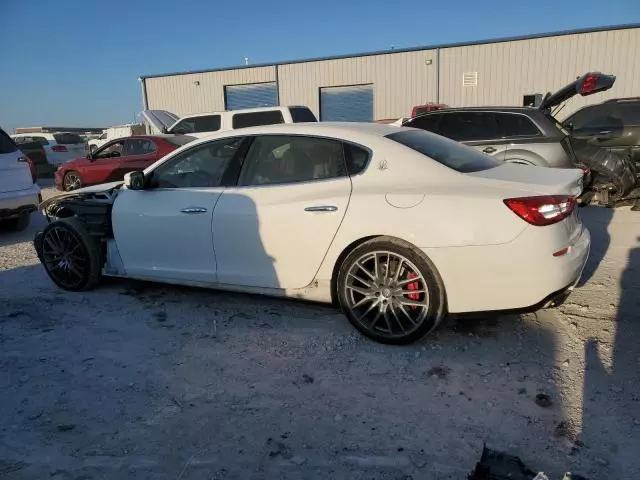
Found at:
[71, 181]
[386, 293]
[65, 257]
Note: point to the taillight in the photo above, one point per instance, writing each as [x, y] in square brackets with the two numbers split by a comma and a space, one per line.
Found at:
[589, 84]
[32, 167]
[542, 210]
[59, 148]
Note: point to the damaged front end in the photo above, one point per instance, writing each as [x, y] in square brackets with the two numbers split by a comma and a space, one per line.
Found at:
[613, 180]
[91, 205]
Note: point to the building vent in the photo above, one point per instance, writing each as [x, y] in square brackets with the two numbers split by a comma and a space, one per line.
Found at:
[470, 79]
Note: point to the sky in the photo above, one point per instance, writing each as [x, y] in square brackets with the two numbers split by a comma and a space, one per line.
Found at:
[77, 62]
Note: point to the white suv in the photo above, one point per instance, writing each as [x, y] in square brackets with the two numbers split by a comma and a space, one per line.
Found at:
[59, 147]
[19, 193]
[202, 124]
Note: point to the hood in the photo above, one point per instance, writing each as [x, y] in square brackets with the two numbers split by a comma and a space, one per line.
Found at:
[161, 120]
[587, 84]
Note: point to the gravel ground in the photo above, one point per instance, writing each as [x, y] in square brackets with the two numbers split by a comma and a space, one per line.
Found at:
[135, 380]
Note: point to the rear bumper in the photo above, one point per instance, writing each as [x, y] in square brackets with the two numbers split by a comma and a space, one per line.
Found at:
[520, 276]
[14, 204]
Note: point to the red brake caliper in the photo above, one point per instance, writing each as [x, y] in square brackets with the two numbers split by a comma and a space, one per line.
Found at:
[413, 286]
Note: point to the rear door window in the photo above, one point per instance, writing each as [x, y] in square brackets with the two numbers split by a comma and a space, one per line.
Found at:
[6, 144]
[469, 126]
[302, 114]
[516, 125]
[139, 146]
[253, 119]
[68, 138]
[284, 159]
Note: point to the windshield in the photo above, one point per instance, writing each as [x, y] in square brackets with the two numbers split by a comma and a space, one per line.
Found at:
[447, 152]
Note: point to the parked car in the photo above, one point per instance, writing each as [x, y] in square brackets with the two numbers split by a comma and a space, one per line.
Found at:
[613, 125]
[202, 124]
[19, 193]
[533, 136]
[59, 147]
[35, 152]
[396, 225]
[115, 158]
[112, 133]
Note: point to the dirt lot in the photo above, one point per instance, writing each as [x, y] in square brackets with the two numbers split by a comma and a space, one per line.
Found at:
[135, 380]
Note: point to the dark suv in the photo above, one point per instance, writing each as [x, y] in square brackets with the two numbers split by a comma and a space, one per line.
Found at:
[614, 125]
[533, 136]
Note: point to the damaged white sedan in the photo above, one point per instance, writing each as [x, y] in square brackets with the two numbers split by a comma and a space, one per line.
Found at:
[396, 225]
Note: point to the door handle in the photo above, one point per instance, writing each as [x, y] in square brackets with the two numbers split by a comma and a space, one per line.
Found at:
[489, 150]
[321, 208]
[194, 210]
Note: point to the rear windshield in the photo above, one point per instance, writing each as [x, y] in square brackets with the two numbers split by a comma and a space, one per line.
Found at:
[253, 119]
[68, 138]
[6, 144]
[302, 114]
[179, 140]
[445, 151]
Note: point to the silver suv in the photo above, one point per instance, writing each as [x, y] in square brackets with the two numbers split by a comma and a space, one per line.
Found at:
[533, 136]
[511, 134]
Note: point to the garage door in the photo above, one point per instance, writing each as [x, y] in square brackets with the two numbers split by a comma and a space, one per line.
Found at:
[251, 95]
[347, 104]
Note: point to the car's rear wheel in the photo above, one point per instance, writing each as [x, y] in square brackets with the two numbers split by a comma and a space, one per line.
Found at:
[390, 291]
[71, 257]
[71, 181]
[17, 224]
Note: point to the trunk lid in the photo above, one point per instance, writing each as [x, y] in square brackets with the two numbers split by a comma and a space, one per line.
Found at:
[14, 173]
[538, 180]
[587, 84]
[160, 120]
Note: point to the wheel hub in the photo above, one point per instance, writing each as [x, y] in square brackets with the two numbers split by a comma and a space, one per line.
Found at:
[387, 293]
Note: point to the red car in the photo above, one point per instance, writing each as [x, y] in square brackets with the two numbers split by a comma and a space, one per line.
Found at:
[110, 162]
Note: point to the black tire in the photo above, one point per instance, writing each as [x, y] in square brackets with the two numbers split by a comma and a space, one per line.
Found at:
[17, 224]
[67, 240]
[431, 301]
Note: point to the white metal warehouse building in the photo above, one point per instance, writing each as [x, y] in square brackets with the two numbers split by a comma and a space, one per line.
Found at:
[386, 85]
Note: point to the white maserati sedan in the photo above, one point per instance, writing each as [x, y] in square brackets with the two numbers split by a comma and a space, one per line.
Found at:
[397, 226]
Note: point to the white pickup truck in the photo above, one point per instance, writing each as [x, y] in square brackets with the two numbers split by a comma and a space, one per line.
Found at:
[112, 133]
[202, 124]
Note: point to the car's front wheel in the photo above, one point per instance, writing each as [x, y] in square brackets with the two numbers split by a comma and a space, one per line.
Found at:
[71, 257]
[71, 181]
[390, 291]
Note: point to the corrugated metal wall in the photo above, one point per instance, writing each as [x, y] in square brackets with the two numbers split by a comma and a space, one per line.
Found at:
[179, 94]
[505, 72]
[509, 70]
[399, 80]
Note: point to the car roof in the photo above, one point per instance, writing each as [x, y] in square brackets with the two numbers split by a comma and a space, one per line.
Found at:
[323, 128]
[244, 110]
[492, 108]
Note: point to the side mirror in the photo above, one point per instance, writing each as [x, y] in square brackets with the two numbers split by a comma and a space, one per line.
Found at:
[89, 156]
[134, 180]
